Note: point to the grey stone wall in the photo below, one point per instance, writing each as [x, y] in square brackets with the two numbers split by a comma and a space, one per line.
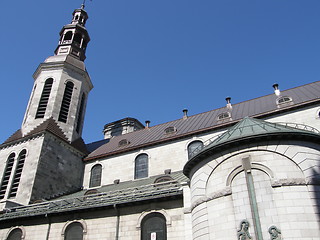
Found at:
[59, 171]
[285, 176]
[101, 223]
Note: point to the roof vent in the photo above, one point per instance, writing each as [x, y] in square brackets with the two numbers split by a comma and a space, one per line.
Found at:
[276, 89]
[229, 106]
[116, 181]
[185, 113]
[147, 123]
[167, 171]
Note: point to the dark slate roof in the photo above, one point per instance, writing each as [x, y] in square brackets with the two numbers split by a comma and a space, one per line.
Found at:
[122, 193]
[51, 126]
[258, 107]
[250, 129]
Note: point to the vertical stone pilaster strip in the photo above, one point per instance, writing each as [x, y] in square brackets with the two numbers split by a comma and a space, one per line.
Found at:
[246, 163]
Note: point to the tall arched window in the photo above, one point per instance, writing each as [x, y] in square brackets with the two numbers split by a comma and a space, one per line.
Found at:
[194, 147]
[153, 226]
[15, 234]
[80, 114]
[6, 175]
[65, 105]
[17, 174]
[141, 166]
[74, 231]
[44, 98]
[95, 177]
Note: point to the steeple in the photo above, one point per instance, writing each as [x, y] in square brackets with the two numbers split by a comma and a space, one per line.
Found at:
[62, 84]
[74, 37]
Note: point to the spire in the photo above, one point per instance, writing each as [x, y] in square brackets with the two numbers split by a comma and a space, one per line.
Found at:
[74, 36]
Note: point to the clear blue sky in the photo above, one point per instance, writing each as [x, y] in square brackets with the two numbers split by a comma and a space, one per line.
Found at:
[149, 59]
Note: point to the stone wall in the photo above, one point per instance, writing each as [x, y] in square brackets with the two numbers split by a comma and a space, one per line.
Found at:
[102, 223]
[285, 176]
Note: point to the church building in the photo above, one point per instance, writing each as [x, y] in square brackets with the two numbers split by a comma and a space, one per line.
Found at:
[248, 170]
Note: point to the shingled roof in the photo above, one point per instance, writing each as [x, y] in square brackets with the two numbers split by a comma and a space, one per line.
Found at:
[258, 107]
[107, 196]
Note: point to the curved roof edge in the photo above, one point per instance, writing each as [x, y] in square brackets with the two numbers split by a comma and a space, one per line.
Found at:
[248, 130]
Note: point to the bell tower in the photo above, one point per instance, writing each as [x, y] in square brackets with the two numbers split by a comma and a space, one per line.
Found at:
[43, 159]
[62, 84]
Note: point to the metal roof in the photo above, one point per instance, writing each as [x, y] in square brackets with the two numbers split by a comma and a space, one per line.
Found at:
[106, 196]
[258, 107]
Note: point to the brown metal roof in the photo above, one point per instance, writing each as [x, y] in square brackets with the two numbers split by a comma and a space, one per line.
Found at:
[258, 107]
[51, 126]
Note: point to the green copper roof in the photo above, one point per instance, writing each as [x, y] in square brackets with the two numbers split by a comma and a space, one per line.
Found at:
[250, 129]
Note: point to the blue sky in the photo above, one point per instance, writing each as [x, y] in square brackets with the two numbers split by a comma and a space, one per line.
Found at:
[149, 59]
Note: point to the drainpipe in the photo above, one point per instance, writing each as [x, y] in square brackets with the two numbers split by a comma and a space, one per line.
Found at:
[118, 221]
[49, 226]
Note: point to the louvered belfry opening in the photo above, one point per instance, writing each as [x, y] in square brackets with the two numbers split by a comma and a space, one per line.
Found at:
[44, 98]
[83, 98]
[17, 174]
[65, 105]
[6, 175]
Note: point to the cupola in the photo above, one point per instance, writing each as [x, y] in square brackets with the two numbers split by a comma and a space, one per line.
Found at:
[74, 37]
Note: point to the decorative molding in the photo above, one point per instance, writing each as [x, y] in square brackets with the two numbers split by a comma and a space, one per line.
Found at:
[243, 232]
[145, 213]
[218, 194]
[288, 182]
[275, 233]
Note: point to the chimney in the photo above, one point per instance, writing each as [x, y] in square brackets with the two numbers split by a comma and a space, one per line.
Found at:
[147, 123]
[276, 89]
[229, 106]
[185, 113]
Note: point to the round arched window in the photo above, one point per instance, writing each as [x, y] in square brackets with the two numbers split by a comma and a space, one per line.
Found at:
[194, 147]
[153, 226]
[15, 234]
[74, 231]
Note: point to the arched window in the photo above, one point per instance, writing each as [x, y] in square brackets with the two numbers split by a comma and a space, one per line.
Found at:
[44, 98]
[17, 174]
[77, 38]
[15, 234]
[74, 231]
[80, 114]
[6, 175]
[141, 166]
[65, 105]
[68, 36]
[95, 177]
[153, 226]
[194, 147]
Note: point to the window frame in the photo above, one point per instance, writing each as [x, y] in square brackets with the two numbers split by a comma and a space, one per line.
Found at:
[143, 172]
[94, 180]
